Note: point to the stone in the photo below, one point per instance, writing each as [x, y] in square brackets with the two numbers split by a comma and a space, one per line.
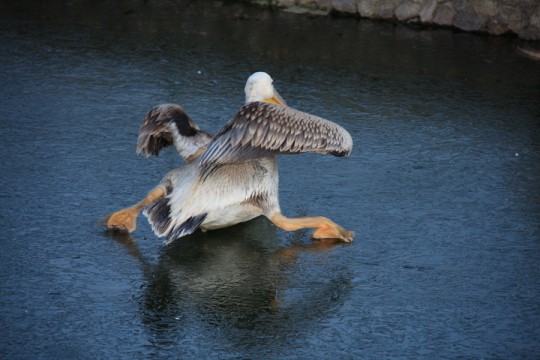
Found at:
[322, 4]
[469, 20]
[486, 7]
[344, 6]
[444, 15]
[532, 30]
[366, 9]
[496, 26]
[426, 13]
[512, 15]
[535, 18]
[306, 11]
[458, 5]
[521, 17]
[315, 5]
[407, 10]
[307, 3]
[286, 3]
[386, 9]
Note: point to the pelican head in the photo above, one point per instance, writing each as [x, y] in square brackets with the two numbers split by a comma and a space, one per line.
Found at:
[259, 88]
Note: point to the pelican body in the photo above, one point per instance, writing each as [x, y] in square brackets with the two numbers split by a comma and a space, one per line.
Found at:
[230, 195]
[232, 177]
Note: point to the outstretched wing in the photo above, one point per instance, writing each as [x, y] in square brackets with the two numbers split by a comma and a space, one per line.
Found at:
[262, 129]
[168, 124]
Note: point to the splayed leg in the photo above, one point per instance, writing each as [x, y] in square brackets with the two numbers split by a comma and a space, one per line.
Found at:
[325, 228]
[126, 219]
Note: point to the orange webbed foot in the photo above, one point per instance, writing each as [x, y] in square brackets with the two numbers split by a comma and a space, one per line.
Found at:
[124, 220]
[331, 230]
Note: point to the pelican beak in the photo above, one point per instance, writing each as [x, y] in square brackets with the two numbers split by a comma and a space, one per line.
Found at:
[276, 99]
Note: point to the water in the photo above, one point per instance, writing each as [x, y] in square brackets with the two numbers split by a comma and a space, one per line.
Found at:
[441, 188]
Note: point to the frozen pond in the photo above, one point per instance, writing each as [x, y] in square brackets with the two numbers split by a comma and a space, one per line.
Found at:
[442, 189]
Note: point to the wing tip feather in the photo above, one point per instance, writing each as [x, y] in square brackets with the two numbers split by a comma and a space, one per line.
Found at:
[186, 228]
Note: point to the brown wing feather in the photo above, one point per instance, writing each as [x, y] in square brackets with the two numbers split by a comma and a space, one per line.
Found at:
[262, 129]
[168, 124]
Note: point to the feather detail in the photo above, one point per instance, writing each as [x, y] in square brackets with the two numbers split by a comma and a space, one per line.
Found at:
[159, 216]
[162, 222]
[168, 124]
[262, 129]
[186, 228]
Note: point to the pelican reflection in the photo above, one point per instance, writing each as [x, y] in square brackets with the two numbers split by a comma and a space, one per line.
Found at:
[234, 279]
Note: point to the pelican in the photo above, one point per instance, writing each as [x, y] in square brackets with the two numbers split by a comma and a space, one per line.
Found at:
[233, 176]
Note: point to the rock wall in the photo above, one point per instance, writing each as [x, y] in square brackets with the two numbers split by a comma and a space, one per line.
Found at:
[520, 17]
